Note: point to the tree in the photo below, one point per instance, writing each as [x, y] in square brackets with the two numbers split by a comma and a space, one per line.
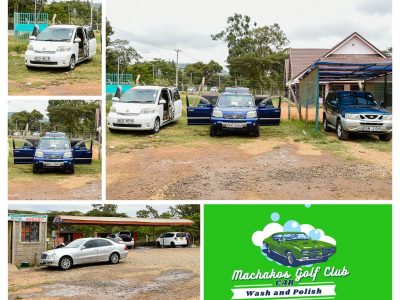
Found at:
[256, 54]
[105, 210]
[199, 70]
[149, 212]
[109, 32]
[120, 52]
[22, 118]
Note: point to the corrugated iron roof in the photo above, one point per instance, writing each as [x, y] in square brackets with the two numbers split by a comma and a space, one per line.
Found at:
[85, 220]
[301, 58]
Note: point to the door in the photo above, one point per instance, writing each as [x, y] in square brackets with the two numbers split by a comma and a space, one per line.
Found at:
[92, 41]
[199, 115]
[23, 154]
[82, 155]
[88, 252]
[268, 114]
[85, 43]
[332, 108]
[171, 105]
[104, 250]
[177, 105]
[275, 245]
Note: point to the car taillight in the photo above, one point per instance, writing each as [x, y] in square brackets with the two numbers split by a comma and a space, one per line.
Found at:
[126, 247]
[175, 239]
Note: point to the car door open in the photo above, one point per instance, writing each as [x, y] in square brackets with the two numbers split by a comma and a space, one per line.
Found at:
[268, 114]
[82, 155]
[23, 154]
[199, 114]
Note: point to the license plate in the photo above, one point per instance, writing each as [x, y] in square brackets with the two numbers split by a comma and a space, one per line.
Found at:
[372, 128]
[234, 125]
[125, 121]
[52, 164]
[42, 58]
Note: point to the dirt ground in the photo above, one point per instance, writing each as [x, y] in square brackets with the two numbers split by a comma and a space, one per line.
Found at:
[146, 274]
[258, 169]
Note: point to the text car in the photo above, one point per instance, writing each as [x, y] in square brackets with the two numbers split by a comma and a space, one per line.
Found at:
[297, 248]
[52, 151]
[356, 112]
[172, 239]
[61, 46]
[145, 108]
[84, 251]
[235, 110]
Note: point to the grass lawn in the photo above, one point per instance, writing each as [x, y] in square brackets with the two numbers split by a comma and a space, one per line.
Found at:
[87, 71]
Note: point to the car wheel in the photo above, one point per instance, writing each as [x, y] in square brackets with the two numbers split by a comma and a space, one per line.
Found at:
[114, 258]
[28, 67]
[213, 131]
[35, 169]
[156, 127]
[341, 133]
[290, 258]
[65, 263]
[158, 245]
[72, 63]
[385, 137]
[325, 124]
[172, 245]
[112, 130]
[71, 169]
[255, 132]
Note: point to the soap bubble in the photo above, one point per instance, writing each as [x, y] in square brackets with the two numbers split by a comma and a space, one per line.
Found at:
[307, 205]
[292, 226]
[315, 234]
[275, 217]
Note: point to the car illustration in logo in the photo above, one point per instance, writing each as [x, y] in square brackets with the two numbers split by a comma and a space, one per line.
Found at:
[296, 248]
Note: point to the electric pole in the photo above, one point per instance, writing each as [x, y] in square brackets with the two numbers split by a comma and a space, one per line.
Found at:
[177, 66]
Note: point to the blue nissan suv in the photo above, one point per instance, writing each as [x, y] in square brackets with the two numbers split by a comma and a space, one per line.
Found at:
[352, 112]
[52, 151]
[235, 110]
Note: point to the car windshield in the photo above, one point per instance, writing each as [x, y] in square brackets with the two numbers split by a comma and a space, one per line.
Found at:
[54, 143]
[362, 100]
[295, 237]
[235, 100]
[139, 96]
[76, 243]
[55, 34]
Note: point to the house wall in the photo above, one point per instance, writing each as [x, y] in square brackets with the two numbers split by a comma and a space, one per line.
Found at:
[354, 46]
[26, 251]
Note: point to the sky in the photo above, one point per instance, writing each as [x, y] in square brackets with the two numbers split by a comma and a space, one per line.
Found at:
[28, 105]
[156, 28]
[129, 209]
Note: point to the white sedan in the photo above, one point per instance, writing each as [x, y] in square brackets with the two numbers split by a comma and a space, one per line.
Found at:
[84, 251]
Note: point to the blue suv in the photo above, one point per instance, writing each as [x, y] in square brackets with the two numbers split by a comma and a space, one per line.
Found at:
[235, 110]
[354, 112]
[52, 151]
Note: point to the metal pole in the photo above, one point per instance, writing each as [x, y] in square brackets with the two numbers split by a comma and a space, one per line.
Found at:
[35, 13]
[118, 71]
[317, 103]
[91, 13]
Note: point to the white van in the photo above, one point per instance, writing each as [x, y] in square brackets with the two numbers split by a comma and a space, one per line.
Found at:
[145, 108]
[61, 46]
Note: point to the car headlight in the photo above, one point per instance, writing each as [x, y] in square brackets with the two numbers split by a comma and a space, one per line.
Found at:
[51, 256]
[147, 110]
[352, 116]
[113, 109]
[68, 154]
[387, 117]
[217, 113]
[38, 153]
[30, 47]
[251, 114]
[63, 49]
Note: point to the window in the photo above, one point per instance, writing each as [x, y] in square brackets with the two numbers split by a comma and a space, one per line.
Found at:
[91, 244]
[277, 237]
[103, 243]
[168, 235]
[30, 232]
[91, 34]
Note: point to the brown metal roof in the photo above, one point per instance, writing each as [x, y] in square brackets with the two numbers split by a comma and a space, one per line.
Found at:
[302, 58]
[84, 220]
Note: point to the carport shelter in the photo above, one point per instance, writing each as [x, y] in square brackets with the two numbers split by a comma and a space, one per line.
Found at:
[27, 237]
[329, 71]
[118, 221]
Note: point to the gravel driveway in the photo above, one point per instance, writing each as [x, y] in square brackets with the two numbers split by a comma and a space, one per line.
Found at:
[146, 274]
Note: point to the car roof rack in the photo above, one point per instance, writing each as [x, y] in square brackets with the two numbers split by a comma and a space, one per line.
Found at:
[55, 134]
[237, 90]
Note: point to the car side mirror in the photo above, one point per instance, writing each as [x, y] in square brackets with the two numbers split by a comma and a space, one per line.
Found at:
[162, 101]
[77, 40]
[77, 147]
[83, 247]
[32, 38]
[115, 99]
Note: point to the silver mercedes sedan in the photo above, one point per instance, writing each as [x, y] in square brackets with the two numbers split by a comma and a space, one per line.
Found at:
[84, 251]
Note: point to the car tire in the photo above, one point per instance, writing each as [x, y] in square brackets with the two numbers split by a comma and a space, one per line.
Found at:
[72, 63]
[71, 169]
[290, 258]
[326, 125]
[213, 131]
[156, 127]
[112, 130]
[385, 137]
[172, 245]
[341, 133]
[65, 263]
[114, 258]
[255, 132]
[158, 245]
[35, 169]
[29, 67]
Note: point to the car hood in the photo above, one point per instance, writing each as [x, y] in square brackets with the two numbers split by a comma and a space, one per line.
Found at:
[235, 109]
[131, 108]
[310, 245]
[54, 151]
[47, 46]
[60, 251]
[365, 110]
